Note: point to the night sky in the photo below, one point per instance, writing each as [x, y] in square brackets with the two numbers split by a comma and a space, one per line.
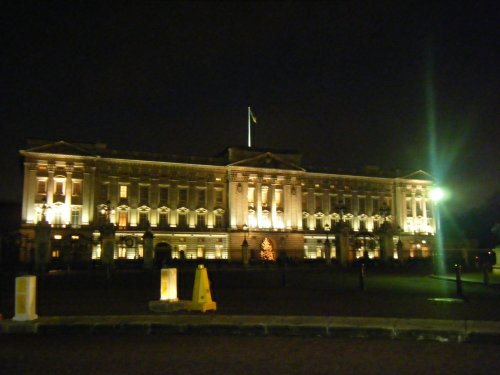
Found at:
[342, 82]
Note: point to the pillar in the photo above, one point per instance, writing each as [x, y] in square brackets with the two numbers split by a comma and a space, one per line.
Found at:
[148, 249]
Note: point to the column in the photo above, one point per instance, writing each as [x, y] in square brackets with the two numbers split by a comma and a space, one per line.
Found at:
[68, 192]
[50, 183]
[29, 192]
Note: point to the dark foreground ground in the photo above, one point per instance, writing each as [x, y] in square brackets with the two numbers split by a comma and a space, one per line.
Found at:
[304, 290]
[85, 355]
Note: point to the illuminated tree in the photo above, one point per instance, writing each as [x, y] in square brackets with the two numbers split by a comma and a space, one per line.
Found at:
[266, 252]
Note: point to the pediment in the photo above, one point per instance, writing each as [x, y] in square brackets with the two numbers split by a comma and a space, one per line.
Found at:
[419, 175]
[267, 160]
[61, 147]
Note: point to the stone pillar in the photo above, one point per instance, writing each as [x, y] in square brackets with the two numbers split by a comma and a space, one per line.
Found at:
[328, 251]
[386, 242]
[50, 183]
[342, 243]
[148, 249]
[42, 245]
[108, 245]
[244, 252]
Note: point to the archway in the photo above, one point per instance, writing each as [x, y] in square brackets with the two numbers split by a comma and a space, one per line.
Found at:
[163, 254]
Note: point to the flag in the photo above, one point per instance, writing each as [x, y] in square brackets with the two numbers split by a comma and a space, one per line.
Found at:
[254, 119]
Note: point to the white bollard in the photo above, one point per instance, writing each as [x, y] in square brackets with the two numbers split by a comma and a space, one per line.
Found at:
[168, 287]
[25, 298]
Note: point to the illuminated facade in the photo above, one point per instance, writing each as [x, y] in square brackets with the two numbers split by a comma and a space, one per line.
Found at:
[205, 208]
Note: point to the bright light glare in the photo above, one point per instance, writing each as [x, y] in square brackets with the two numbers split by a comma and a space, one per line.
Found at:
[436, 194]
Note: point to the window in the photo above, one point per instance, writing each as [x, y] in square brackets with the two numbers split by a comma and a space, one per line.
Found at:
[143, 219]
[304, 202]
[420, 208]
[123, 191]
[57, 220]
[75, 218]
[183, 194]
[201, 198]
[59, 189]
[362, 225]
[200, 220]
[317, 202]
[428, 209]
[164, 195]
[143, 194]
[409, 207]
[122, 219]
[375, 206]
[218, 221]
[41, 187]
[163, 224]
[182, 220]
[348, 204]
[218, 197]
[333, 203]
[77, 188]
[103, 194]
[305, 223]
[319, 223]
[200, 251]
[362, 205]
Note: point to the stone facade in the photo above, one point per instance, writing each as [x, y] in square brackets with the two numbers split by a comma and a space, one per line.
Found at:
[206, 208]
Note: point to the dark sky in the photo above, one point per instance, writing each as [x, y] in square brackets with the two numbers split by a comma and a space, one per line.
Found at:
[343, 82]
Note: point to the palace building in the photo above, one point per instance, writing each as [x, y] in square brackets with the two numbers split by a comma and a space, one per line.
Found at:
[208, 208]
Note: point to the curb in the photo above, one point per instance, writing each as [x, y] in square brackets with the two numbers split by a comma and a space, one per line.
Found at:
[457, 331]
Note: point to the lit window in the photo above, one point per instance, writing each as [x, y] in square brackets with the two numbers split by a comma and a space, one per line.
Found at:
[77, 188]
[123, 191]
[122, 219]
[59, 189]
[75, 218]
[41, 187]
[200, 251]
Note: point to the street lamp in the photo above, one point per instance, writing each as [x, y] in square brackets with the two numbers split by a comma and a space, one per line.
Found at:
[244, 246]
[328, 254]
[106, 210]
[341, 207]
[385, 211]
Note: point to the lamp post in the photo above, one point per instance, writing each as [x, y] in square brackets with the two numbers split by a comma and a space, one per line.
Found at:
[328, 248]
[244, 247]
[437, 195]
[108, 238]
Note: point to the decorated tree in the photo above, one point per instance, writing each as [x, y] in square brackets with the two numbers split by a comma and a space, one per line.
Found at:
[267, 252]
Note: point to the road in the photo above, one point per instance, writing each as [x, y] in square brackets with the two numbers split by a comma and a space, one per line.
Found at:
[130, 354]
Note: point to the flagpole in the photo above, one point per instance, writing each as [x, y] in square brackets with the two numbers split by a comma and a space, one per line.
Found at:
[249, 132]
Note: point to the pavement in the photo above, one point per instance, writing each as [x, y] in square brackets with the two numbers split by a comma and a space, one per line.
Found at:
[216, 323]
